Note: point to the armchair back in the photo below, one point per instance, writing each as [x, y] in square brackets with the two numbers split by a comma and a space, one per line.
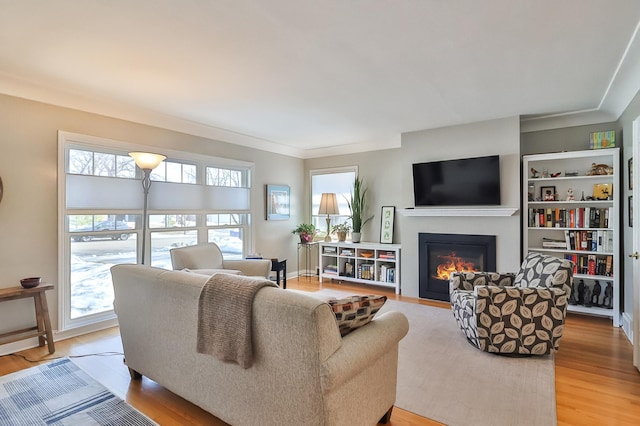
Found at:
[200, 256]
[541, 270]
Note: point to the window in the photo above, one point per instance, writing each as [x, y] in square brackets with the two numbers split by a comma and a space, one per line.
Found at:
[193, 198]
[338, 181]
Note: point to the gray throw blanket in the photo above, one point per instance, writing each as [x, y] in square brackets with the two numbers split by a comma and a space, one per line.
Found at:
[224, 317]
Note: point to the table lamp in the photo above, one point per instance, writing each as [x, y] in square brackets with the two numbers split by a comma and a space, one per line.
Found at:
[328, 206]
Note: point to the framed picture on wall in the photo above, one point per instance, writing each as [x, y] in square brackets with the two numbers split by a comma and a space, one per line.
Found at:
[386, 224]
[630, 168]
[631, 211]
[277, 202]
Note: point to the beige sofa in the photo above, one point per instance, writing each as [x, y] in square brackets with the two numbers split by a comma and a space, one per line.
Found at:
[207, 259]
[303, 372]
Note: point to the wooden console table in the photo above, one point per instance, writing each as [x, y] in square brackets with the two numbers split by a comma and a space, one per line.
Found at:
[42, 330]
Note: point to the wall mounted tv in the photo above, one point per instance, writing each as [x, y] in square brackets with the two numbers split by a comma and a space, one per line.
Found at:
[463, 182]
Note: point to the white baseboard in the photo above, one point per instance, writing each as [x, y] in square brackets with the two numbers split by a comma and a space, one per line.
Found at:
[627, 326]
[25, 344]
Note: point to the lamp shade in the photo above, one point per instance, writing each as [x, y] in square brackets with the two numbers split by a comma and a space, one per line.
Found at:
[328, 204]
[147, 160]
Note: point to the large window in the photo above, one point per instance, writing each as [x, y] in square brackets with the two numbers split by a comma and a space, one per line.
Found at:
[338, 181]
[192, 199]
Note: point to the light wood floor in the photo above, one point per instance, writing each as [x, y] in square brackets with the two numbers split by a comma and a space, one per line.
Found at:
[596, 383]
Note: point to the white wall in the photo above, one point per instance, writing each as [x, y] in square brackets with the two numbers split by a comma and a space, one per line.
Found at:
[29, 211]
[500, 137]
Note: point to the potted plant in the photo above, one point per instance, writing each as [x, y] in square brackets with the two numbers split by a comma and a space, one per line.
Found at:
[341, 230]
[357, 207]
[306, 231]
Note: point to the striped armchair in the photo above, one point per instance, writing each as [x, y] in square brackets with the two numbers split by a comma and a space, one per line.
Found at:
[518, 314]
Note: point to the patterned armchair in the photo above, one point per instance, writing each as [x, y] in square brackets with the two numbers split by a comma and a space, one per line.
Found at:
[521, 314]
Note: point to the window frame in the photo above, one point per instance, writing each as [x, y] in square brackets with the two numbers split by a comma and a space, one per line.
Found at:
[320, 220]
[68, 141]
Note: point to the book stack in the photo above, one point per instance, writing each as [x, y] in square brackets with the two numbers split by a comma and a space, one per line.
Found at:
[331, 269]
[365, 271]
[600, 241]
[387, 274]
[591, 264]
[581, 217]
[346, 252]
[387, 255]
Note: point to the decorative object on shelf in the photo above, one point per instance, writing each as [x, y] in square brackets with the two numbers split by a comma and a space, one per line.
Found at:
[545, 173]
[147, 162]
[603, 191]
[606, 139]
[30, 282]
[600, 170]
[556, 174]
[306, 232]
[357, 208]
[341, 230]
[607, 301]
[534, 173]
[570, 196]
[548, 193]
[571, 173]
[386, 224]
[328, 206]
[277, 200]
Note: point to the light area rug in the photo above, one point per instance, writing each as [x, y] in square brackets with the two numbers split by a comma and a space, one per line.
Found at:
[60, 393]
[444, 378]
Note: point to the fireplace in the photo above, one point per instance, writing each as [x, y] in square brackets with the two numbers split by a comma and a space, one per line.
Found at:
[441, 254]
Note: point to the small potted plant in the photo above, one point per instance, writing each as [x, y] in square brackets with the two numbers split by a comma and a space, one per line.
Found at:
[341, 230]
[306, 231]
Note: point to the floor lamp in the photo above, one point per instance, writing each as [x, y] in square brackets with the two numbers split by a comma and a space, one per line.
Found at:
[328, 205]
[147, 162]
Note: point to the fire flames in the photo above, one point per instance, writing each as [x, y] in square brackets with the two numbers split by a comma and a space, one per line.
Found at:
[453, 263]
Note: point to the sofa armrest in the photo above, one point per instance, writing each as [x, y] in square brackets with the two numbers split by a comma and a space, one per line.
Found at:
[362, 347]
[250, 267]
[525, 320]
[469, 280]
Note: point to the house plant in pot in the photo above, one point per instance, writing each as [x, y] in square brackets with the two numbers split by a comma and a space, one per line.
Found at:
[341, 230]
[306, 231]
[357, 207]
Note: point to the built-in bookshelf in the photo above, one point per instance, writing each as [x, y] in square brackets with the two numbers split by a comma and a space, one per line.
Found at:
[367, 263]
[571, 209]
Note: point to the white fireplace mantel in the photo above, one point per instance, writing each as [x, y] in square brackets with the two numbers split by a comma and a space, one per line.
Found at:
[459, 211]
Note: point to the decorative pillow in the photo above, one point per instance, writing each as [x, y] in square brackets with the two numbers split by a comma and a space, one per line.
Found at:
[355, 311]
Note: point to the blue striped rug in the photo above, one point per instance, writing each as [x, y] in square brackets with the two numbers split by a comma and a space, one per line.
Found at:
[60, 393]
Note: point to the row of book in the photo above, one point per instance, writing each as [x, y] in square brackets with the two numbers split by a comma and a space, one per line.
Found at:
[366, 271]
[591, 264]
[582, 217]
[387, 274]
[598, 241]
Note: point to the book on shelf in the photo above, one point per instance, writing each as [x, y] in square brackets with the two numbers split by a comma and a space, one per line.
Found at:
[591, 264]
[551, 243]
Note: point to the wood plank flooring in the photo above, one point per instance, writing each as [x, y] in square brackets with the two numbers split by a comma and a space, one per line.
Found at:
[596, 383]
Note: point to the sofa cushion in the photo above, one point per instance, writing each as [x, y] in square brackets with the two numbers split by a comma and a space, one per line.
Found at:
[355, 311]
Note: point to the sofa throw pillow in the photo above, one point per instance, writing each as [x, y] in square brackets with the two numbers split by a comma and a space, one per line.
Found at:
[355, 311]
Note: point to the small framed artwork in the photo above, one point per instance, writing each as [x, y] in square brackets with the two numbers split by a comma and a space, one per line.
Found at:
[386, 224]
[631, 211]
[548, 193]
[630, 173]
[277, 202]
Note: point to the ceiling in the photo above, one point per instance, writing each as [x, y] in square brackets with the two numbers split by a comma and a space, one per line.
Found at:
[315, 78]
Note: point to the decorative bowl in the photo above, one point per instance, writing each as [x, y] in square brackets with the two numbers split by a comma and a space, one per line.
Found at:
[367, 255]
[30, 282]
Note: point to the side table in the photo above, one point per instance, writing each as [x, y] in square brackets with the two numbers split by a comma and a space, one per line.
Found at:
[307, 248]
[278, 266]
[42, 330]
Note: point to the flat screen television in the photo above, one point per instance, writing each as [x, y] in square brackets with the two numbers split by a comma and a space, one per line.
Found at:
[463, 182]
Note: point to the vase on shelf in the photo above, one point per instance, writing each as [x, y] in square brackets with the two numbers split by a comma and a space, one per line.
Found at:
[355, 237]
